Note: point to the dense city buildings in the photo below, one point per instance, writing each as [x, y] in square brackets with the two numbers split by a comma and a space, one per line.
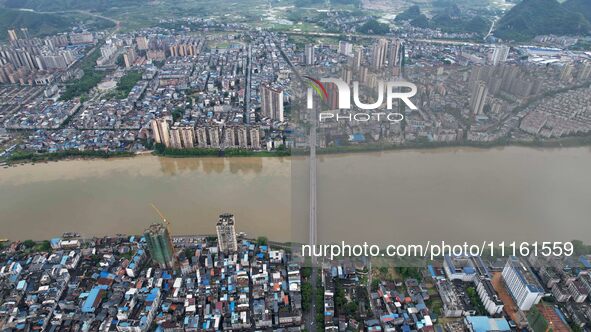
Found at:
[151, 88]
[159, 282]
[127, 283]
[208, 291]
[170, 91]
[226, 232]
[211, 87]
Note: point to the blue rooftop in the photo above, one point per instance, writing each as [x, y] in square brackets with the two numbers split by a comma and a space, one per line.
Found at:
[485, 324]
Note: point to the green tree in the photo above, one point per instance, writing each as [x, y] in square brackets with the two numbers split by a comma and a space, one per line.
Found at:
[262, 241]
[372, 26]
[159, 148]
[29, 244]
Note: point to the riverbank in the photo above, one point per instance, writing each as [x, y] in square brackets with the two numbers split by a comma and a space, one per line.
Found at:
[571, 142]
[209, 152]
[33, 157]
[19, 157]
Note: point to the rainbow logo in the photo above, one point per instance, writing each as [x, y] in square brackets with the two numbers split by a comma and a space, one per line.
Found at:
[318, 87]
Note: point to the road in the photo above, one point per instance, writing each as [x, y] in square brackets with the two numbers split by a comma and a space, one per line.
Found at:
[247, 92]
[313, 221]
[492, 28]
[338, 35]
[310, 316]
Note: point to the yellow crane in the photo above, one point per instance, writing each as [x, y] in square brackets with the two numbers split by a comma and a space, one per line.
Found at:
[164, 220]
[167, 224]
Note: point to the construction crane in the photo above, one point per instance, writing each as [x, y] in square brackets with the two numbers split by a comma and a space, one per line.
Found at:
[169, 237]
[164, 220]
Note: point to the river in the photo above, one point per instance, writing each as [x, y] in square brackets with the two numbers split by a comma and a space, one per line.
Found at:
[455, 194]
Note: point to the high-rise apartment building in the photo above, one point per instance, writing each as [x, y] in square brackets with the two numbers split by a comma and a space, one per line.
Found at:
[214, 136]
[479, 94]
[182, 137]
[129, 57]
[201, 136]
[500, 54]
[345, 48]
[395, 48]
[160, 131]
[229, 136]
[242, 136]
[142, 43]
[566, 74]
[309, 55]
[12, 36]
[378, 57]
[358, 58]
[585, 71]
[160, 245]
[522, 284]
[226, 231]
[255, 138]
[272, 102]
[187, 136]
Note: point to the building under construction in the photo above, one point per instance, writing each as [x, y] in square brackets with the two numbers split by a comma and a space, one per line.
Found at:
[160, 245]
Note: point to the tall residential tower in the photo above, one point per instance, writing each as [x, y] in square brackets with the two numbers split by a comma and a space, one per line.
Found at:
[226, 231]
[160, 245]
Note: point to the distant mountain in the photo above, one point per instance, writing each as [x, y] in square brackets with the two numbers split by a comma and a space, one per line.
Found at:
[38, 24]
[412, 13]
[530, 18]
[420, 22]
[374, 27]
[59, 5]
[414, 16]
[579, 6]
[452, 11]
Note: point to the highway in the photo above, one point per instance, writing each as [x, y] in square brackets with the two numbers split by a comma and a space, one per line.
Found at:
[247, 93]
[349, 35]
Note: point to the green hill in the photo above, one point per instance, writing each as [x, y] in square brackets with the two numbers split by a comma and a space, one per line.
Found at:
[448, 18]
[38, 24]
[579, 6]
[59, 5]
[445, 22]
[374, 27]
[541, 17]
[412, 13]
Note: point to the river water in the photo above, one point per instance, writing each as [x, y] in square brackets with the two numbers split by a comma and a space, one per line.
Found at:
[456, 194]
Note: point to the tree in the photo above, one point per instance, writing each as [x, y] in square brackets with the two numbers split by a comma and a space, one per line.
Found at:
[306, 296]
[29, 244]
[420, 22]
[44, 246]
[579, 248]
[159, 148]
[306, 272]
[350, 308]
[120, 61]
[375, 283]
[372, 26]
[411, 13]
[177, 114]
[262, 241]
